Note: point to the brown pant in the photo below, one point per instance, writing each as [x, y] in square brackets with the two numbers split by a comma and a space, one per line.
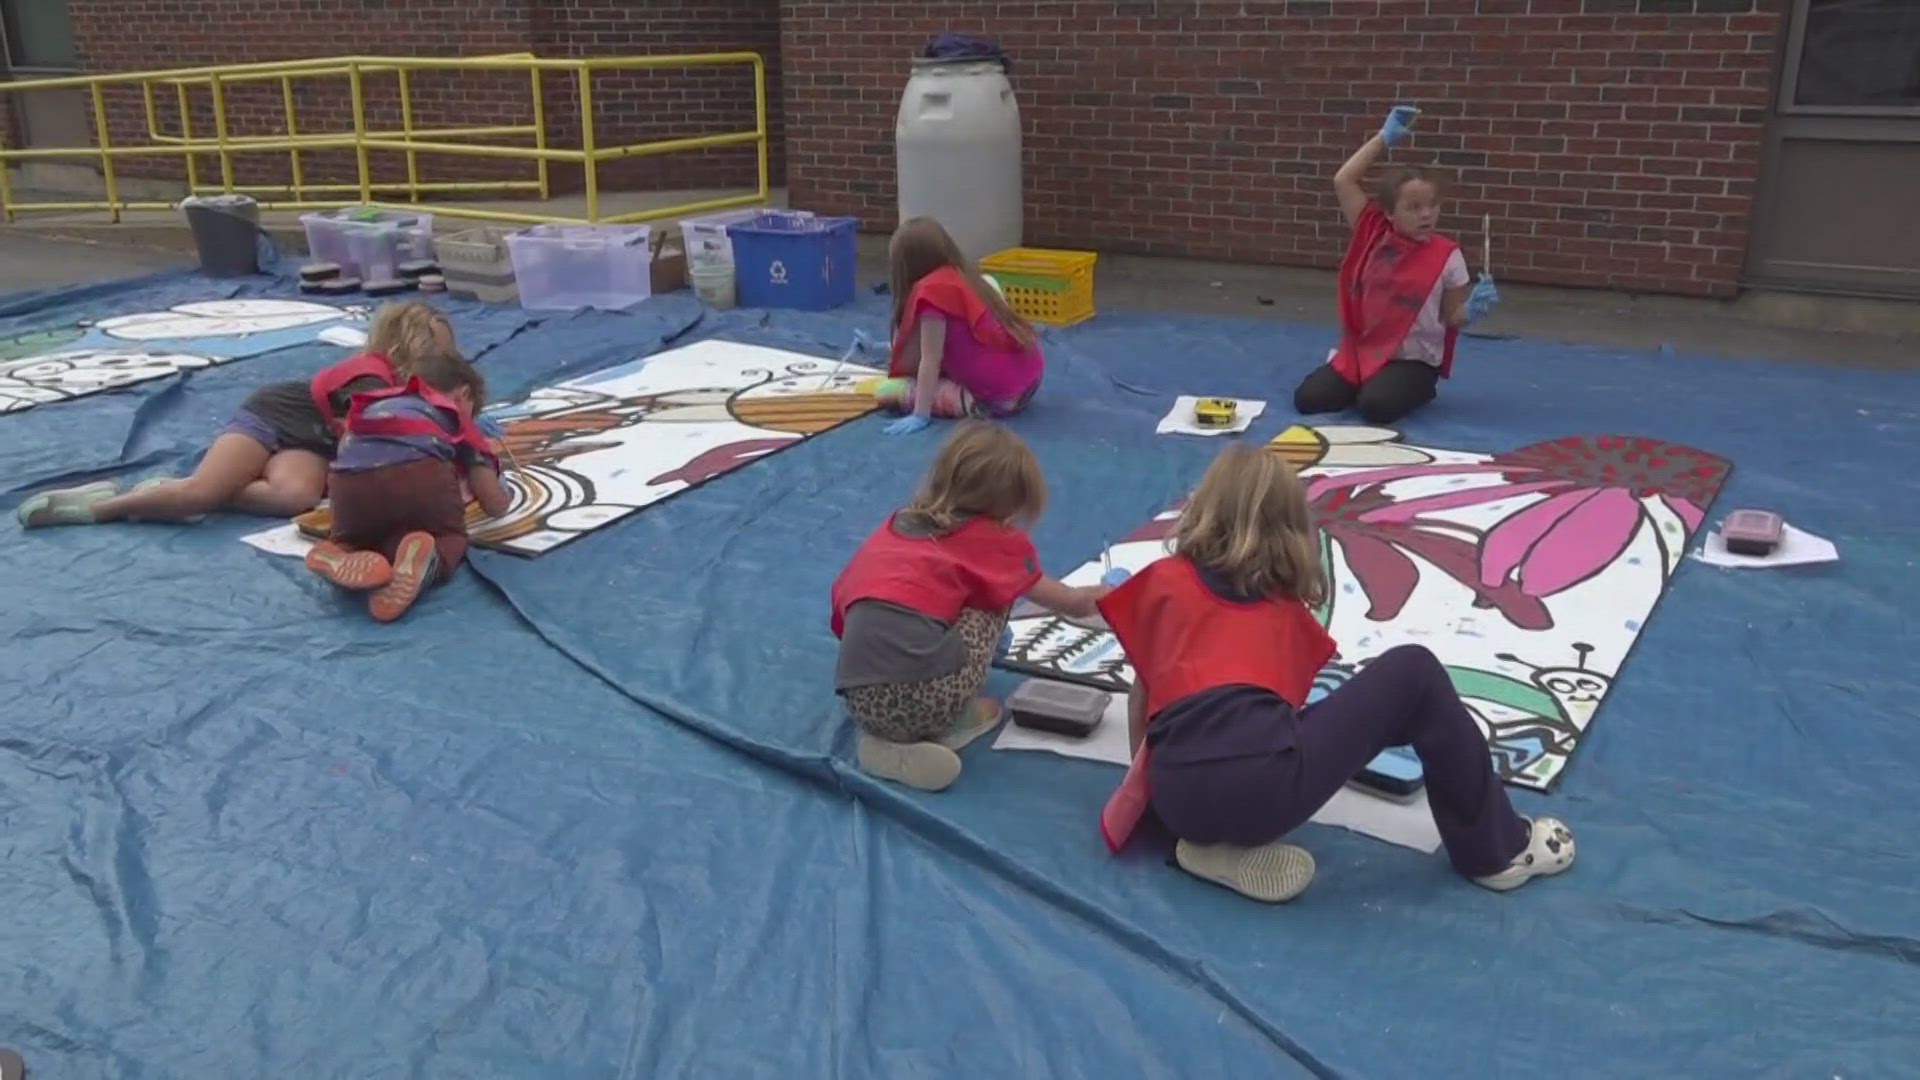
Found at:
[374, 509]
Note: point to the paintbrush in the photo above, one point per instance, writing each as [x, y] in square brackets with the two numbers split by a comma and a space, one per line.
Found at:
[859, 343]
[1486, 243]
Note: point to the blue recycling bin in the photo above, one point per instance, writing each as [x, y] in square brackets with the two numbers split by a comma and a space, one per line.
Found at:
[783, 259]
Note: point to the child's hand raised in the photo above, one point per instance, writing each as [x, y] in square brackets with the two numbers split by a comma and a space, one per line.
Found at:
[1399, 124]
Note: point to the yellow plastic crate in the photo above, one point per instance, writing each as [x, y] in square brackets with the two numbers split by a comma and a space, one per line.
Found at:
[1052, 287]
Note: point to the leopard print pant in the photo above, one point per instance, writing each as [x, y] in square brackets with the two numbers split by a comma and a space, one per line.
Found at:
[926, 710]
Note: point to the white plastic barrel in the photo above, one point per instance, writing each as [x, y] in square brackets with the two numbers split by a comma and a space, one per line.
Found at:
[957, 145]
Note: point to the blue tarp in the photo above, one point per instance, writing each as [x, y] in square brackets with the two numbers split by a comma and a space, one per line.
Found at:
[595, 815]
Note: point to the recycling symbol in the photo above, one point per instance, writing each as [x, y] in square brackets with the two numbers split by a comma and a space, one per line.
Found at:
[777, 273]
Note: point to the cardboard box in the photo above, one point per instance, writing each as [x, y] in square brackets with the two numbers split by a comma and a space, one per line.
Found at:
[669, 262]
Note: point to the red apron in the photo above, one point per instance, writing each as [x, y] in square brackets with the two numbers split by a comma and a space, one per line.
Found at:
[331, 382]
[1385, 281]
[469, 434]
[947, 291]
[1181, 638]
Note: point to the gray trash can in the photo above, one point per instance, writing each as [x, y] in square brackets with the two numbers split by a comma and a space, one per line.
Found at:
[226, 230]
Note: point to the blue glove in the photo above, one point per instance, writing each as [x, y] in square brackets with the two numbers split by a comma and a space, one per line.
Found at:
[906, 425]
[489, 426]
[1115, 577]
[1481, 300]
[1399, 123]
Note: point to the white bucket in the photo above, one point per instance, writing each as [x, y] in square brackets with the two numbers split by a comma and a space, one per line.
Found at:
[713, 284]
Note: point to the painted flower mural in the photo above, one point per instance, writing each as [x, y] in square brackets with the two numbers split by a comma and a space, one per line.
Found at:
[1472, 555]
[1599, 491]
[1376, 548]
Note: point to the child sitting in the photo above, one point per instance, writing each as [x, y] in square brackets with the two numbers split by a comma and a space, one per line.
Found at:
[1403, 292]
[399, 519]
[958, 349]
[272, 458]
[1224, 650]
[920, 609]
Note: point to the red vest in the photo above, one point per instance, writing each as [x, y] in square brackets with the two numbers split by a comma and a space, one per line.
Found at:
[948, 291]
[1385, 281]
[1182, 638]
[982, 564]
[469, 435]
[333, 381]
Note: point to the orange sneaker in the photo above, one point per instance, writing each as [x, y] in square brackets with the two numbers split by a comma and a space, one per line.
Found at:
[357, 571]
[415, 564]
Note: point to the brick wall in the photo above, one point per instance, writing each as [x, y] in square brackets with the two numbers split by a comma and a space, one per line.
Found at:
[641, 106]
[133, 35]
[1615, 142]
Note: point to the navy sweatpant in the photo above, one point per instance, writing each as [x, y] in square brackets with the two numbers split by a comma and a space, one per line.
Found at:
[1401, 698]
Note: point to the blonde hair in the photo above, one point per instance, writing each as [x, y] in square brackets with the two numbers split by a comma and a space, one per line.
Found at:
[1248, 522]
[983, 470]
[406, 332]
[921, 246]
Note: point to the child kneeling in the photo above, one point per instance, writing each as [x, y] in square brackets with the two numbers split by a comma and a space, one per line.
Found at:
[920, 609]
[1224, 649]
[399, 517]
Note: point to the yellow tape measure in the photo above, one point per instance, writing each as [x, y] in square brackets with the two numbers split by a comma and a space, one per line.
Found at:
[1215, 412]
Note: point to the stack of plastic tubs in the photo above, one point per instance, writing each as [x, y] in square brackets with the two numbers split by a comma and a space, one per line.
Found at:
[368, 243]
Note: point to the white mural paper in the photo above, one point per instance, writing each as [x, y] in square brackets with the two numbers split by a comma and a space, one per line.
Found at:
[587, 452]
[45, 366]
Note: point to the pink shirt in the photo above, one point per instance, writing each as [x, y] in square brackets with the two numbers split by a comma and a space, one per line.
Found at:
[995, 376]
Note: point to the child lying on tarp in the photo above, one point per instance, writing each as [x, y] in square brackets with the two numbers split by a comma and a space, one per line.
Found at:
[399, 514]
[272, 458]
[1404, 291]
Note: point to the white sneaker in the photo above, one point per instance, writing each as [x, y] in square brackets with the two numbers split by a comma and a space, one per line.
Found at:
[924, 765]
[1549, 850]
[1270, 873]
[64, 506]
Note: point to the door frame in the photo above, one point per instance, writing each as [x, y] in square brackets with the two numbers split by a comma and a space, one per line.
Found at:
[1788, 121]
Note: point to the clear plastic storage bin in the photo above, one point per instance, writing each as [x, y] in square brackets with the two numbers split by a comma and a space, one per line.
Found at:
[407, 236]
[562, 267]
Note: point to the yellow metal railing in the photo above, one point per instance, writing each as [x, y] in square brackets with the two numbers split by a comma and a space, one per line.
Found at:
[298, 186]
[363, 141]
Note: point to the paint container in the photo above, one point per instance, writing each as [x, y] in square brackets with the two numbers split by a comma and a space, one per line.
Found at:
[320, 271]
[713, 283]
[416, 269]
[432, 283]
[339, 286]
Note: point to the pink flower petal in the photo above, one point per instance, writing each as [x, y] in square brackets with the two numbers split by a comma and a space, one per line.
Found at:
[1689, 513]
[1583, 542]
[1506, 544]
[1458, 559]
[1427, 504]
[1385, 573]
